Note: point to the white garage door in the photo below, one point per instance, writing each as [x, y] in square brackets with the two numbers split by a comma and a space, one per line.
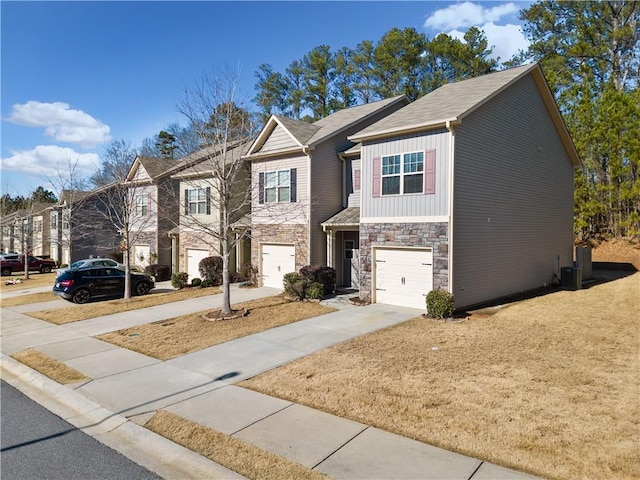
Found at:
[276, 261]
[403, 277]
[193, 260]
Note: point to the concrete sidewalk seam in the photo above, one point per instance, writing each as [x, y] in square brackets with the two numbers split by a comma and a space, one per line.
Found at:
[366, 427]
[263, 418]
[476, 470]
[143, 446]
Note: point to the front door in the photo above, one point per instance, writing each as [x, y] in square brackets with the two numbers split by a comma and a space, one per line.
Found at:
[350, 264]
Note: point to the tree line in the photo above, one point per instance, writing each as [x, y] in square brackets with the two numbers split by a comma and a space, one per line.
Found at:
[590, 55]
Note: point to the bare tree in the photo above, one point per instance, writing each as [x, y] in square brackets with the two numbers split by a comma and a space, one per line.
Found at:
[222, 177]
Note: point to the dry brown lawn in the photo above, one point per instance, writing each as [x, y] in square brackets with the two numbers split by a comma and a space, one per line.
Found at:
[35, 280]
[189, 333]
[28, 299]
[549, 385]
[234, 454]
[50, 367]
[60, 316]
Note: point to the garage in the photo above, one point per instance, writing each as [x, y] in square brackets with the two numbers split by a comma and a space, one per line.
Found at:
[276, 261]
[193, 260]
[403, 277]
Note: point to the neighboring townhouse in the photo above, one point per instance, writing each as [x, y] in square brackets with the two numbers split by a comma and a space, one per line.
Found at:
[298, 181]
[154, 199]
[201, 221]
[82, 225]
[10, 224]
[39, 230]
[27, 230]
[469, 189]
[60, 225]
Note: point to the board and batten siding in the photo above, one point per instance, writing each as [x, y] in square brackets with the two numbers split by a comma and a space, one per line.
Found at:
[513, 198]
[278, 140]
[281, 213]
[413, 205]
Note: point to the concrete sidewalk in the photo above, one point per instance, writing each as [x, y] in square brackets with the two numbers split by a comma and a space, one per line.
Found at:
[199, 386]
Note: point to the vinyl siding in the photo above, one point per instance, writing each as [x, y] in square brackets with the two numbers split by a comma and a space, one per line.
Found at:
[279, 139]
[281, 213]
[326, 194]
[193, 220]
[353, 195]
[413, 205]
[149, 222]
[513, 204]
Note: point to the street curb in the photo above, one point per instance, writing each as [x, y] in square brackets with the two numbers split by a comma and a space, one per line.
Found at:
[152, 451]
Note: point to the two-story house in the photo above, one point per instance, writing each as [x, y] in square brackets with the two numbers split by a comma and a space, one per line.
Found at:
[205, 216]
[469, 189]
[297, 180]
[153, 203]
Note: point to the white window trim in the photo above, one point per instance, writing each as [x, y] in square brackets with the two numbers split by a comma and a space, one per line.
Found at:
[197, 202]
[402, 173]
[277, 187]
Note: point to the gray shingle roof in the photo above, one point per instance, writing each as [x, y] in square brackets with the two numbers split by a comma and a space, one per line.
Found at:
[155, 167]
[207, 158]
[348, 216]
[449, 102]
[301, 131]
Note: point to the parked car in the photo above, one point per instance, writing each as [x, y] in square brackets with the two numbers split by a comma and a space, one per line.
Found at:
[97, 262]
[84, 284]
[11, 265]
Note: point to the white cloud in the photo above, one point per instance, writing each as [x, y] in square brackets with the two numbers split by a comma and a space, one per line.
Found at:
[467, 14]
[48, 160]
[506, 40]
[61, 122]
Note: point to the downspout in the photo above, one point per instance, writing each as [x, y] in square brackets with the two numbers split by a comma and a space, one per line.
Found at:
[306, 150]
[452, 141]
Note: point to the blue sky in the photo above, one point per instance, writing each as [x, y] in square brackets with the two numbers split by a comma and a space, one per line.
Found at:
[77, 74]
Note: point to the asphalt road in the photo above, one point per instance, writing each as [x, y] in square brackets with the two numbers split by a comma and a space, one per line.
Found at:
[36, 444]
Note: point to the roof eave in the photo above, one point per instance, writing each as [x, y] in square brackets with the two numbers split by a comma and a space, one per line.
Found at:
[394, 132]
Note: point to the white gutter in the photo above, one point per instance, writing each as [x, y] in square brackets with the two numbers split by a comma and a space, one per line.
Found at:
[452, 142]
[306, 150]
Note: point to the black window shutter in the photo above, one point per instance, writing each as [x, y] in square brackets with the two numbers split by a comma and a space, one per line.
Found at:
[208, 200]
[294, 184]
[261, 188]
[186, 201]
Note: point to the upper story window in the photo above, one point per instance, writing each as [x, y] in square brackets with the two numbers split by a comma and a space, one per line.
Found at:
[406, 173]
[54, 221]
[37, 226]
[142, 205]
[197, 201]
[278, 186]
[402, 174]
[66, 221]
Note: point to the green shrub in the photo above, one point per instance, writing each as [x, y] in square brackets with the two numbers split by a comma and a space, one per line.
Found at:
[160, 272]
[179, 280]
[211, 269]
[315, 291]
[196, 282]
[295, 285]
[323, 275]
[247, 273]
[207, 283]
[440, 303]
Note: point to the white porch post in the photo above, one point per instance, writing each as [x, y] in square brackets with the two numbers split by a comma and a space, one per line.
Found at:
[331, 242]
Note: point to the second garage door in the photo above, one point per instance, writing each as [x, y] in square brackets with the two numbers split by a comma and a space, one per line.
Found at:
[193, 262]
[276, 261]
[403, 277]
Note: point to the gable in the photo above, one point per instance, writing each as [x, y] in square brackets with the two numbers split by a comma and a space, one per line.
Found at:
[278, 140]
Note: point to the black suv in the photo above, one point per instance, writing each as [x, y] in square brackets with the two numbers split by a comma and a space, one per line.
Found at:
[82, 285]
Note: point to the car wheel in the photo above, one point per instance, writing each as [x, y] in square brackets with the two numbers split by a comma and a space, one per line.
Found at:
[6, 271]
[82, 296]
[142, 288]
[45, 269]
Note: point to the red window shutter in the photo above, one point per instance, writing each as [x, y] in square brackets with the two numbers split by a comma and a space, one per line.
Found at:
[356, 179]
[430, 172]
[377, 175]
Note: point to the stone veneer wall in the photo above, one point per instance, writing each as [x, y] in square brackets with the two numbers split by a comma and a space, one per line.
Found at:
[433, 235]
[281, 233]
[191, 240]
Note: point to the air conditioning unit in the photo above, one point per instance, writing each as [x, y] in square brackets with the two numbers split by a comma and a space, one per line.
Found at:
[571, 278]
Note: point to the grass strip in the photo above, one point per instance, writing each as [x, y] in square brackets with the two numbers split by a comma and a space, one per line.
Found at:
[50, 367]
[28, 299]
[234, 454]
